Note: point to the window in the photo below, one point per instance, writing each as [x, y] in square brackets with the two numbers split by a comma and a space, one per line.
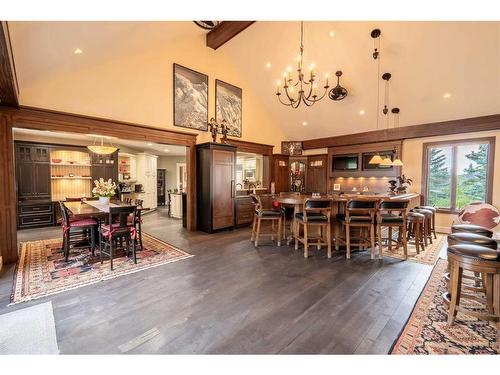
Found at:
[457, 173]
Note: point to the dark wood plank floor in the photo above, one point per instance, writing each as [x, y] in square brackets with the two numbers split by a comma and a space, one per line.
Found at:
[232, 298]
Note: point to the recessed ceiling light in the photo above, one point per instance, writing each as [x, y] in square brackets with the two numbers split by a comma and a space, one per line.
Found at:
[304, 123]
[332, 34]
[447, 95]
[77, 51]
[268, 65]
[150, 144]
[362, 112]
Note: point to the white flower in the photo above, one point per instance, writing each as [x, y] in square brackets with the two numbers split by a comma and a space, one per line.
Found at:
[104, 188]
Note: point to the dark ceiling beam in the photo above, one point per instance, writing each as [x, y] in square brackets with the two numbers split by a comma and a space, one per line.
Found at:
[8, 80]
[467, 125]
[225, 31]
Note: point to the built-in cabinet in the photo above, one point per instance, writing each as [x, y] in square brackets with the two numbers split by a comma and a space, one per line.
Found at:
[146, 179]
[105, 166]
[305, 174]
[215, 176]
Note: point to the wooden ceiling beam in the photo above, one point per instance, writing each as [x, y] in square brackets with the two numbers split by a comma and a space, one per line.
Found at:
[225, 31]
[8, 80]
[467, 125]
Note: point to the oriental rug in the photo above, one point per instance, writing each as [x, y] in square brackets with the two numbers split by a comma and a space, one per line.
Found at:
[427, 256]
[427, 331]
[41, 269]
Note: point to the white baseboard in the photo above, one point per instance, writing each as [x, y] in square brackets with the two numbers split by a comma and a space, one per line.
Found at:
[445, 230]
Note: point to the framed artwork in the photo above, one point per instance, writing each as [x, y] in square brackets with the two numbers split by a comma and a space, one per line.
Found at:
[190, 98]
[291, 148]
[228, 106]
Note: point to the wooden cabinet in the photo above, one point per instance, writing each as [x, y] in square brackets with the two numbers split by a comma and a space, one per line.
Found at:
[105, 166]
[244, 210]
[216, 186]
[317, 174]
[281, 174]
[32, 171]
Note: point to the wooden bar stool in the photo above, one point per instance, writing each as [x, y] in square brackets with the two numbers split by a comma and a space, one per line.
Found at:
[391, 213]
[427, 223]
[476, 259]
[265, 214]
[316, 213]
[433, 220]
[415, 229]
[359, 213]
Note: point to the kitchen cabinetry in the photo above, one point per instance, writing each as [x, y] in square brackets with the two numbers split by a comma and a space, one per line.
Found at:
[146, 176]
[317, 174]
[105, 166]
[244, 210]
[281, 173]
[216, 186]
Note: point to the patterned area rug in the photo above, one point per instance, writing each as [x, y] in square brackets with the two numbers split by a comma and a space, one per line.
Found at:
[42, 271]
[427, 332]
[428, 256]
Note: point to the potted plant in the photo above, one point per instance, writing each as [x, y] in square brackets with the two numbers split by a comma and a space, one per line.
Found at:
[403, 184]
[104, 190]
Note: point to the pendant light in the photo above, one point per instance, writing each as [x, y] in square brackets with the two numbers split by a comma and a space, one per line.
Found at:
[395, 111]
[102, 149]
[375, 34]
[386, 162]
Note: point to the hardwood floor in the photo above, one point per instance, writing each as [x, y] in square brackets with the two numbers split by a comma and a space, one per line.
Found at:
[232, 298]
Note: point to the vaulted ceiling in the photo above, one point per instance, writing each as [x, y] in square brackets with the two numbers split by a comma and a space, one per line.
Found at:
[426, 59]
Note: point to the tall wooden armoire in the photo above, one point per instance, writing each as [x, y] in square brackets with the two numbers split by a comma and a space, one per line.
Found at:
[215, 180]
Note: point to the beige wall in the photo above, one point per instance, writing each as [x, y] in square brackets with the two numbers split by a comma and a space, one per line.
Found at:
[412, 159]
[138, 88]
[169, 163]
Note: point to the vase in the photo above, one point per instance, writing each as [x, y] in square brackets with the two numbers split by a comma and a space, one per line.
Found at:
[104, 200]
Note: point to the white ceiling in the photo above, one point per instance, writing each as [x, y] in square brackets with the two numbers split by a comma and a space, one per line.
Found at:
[426, 60]
[84, 139]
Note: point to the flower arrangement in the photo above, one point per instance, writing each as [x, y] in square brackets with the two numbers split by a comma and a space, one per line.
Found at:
[104, 188]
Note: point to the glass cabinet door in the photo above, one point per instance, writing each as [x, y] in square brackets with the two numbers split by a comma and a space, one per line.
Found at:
[298, 175]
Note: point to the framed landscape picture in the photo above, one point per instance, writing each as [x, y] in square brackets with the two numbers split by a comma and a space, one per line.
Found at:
[228, 106]
[291, 148]
[190, 98]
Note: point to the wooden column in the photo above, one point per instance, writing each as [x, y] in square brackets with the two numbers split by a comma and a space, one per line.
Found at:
[191, 188]
[8, 242]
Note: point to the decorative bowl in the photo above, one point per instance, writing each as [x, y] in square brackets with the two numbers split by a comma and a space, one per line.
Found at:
[56, 161]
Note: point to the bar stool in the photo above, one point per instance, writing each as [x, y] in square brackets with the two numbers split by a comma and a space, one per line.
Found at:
[470, 228]
[316, 213]
[471, 238]
[391, 213]
[477, 259]
[261, 214]
[415, 229]
[359, 213]
[433, 221]
[427, 223]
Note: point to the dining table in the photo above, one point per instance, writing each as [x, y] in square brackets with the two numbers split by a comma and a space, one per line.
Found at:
[94, 208]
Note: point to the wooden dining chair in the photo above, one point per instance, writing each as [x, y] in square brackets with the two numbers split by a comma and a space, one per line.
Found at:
[360, 214]
[119, 231]
[138, 221]
[391, 214]
[77, 233]
[266, 214]
[316, 213]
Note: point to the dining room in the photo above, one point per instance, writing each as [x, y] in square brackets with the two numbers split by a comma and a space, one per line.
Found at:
[249, 187]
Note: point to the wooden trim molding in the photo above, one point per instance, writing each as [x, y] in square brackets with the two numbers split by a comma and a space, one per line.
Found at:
[8, 81]
[255, 148]
[8, 218]
[455, 142]
[43, 119]
[225, 31]
[467, 125]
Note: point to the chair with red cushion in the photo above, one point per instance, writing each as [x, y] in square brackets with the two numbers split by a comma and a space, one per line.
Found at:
[118, 231]
[138, 221]
[77, 233]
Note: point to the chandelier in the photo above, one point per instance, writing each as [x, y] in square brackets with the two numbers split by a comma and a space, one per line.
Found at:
[102, 149]
[303, 90]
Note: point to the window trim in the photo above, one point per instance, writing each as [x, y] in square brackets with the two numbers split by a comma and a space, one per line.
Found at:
[458, 142]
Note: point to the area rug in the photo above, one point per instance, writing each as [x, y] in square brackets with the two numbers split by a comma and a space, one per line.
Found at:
[29, 331]
[427, 332]
[427, 256]
[42, 271]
